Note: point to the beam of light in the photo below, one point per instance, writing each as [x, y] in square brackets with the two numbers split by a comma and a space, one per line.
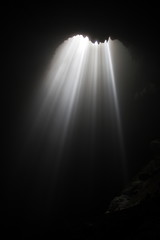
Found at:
[80, 82]
[117, 110]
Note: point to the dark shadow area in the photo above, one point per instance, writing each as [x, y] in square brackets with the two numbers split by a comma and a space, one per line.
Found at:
[78, 210]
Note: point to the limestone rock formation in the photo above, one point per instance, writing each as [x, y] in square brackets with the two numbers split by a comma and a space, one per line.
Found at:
[144, 186]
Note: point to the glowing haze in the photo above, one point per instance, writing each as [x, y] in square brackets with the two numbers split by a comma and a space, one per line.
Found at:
[79, 89]
[79, 70]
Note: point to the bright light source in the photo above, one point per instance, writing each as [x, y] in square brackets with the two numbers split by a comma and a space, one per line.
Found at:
[79, 83]
[80, 70]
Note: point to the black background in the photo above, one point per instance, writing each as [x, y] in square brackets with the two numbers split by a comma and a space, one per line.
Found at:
[32, 33]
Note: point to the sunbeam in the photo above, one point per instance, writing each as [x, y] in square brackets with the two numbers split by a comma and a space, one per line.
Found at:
[80, 82]
[76, 110]
[79, 68]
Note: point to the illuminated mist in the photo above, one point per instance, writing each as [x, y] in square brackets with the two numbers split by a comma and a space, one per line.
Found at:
[77, 101]
[80, 70]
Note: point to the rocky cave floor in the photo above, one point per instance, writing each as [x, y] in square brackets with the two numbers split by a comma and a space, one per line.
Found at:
[134, 214]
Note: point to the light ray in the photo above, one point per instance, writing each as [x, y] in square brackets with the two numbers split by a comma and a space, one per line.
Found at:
[80, 80]
[117, 110]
